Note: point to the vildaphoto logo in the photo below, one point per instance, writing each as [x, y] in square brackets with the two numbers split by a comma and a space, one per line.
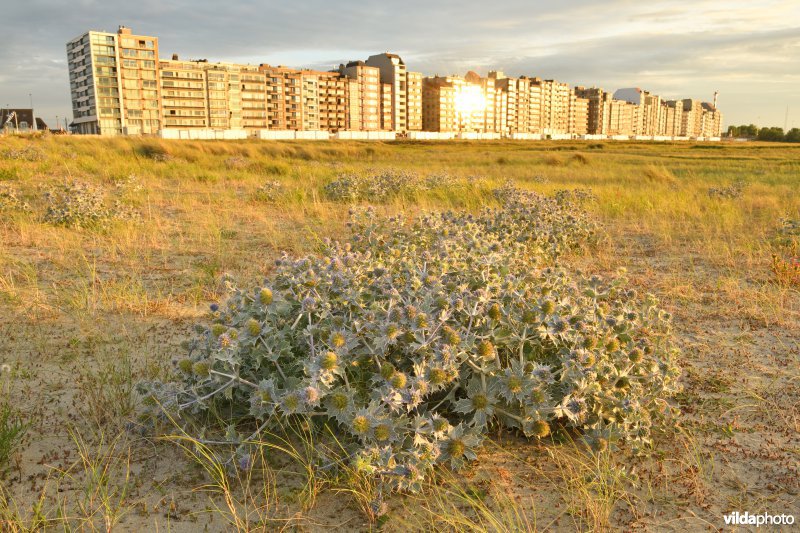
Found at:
[746, 519]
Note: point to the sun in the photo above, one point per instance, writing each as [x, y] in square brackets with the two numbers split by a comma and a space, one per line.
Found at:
[469, 99]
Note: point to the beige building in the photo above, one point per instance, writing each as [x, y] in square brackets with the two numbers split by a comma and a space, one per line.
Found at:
[648, 119]
[460, 104]
[184, 92]
[114, 83]
[333, 106]
[284, 91]
[364, 96]
[254, 98]
[393, 74]
[438, 105]
[119, 85]
[712, 120]
[555, 99]
[622, 117]
[599, 108]
[414, 98]
[578, 114]
[673, 118]
[692, 118]
[387, 117]
[515, 105]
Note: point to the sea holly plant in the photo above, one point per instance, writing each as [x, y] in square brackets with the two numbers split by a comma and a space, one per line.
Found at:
[389, 183]
[82, 205]
[416, 338]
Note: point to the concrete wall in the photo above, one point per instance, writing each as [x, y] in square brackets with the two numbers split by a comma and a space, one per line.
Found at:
[209, 134]
[276, 135]
[312, 135]
[475, 136]
[525, 136]
[203, 134]
[365, 135]
[431, 135]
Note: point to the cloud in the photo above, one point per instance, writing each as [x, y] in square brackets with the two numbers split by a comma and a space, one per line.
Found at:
[678, 49]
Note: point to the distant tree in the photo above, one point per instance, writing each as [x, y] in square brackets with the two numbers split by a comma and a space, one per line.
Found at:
[771, 134]
[744, 130]
[793, 135]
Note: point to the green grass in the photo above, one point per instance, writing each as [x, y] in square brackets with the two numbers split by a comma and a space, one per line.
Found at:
[87, 312]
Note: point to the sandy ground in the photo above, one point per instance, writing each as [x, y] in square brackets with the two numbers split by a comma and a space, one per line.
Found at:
[738, 448]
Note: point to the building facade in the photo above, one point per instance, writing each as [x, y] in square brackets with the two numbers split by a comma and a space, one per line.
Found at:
[119, 85]
[114, 83]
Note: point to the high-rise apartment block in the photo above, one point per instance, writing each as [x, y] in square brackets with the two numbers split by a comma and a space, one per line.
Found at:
[364, 92]
[114, 83]
[120, 85]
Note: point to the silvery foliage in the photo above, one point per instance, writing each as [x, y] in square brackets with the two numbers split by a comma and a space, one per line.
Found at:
[129, 184]
[270, 191]
[789, 233]
[730, 192]
[379, 186]
[29, 153]
[10, 200]
[577, 196]
[415, 338]
[82, 205]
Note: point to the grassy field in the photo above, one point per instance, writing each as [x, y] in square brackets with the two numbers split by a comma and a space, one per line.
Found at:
[89, 311]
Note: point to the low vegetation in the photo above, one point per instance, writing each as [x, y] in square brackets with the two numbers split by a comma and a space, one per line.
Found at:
[278, 335]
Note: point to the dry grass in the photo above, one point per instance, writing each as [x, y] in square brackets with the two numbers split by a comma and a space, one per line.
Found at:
[88, 312]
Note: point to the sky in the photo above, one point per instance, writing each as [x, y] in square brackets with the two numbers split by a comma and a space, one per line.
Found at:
[749, 51]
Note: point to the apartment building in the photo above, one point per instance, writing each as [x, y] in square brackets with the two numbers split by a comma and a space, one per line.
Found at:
[184, 93]
[555, 99]
[333, 106]
[254, 97]
[691, 118]
[438, 105]
[141, 112]
[712, 120]
[477, 103]
[364, 96]
[414, 99]
[598, 104]
[622, 117]
[578, 114]
[673, 118]
[535, 119]
[515, 103]
[394, 74]
[283, 103]
[119, 85]
[114, 83]
[386, 112]
[649, 117]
